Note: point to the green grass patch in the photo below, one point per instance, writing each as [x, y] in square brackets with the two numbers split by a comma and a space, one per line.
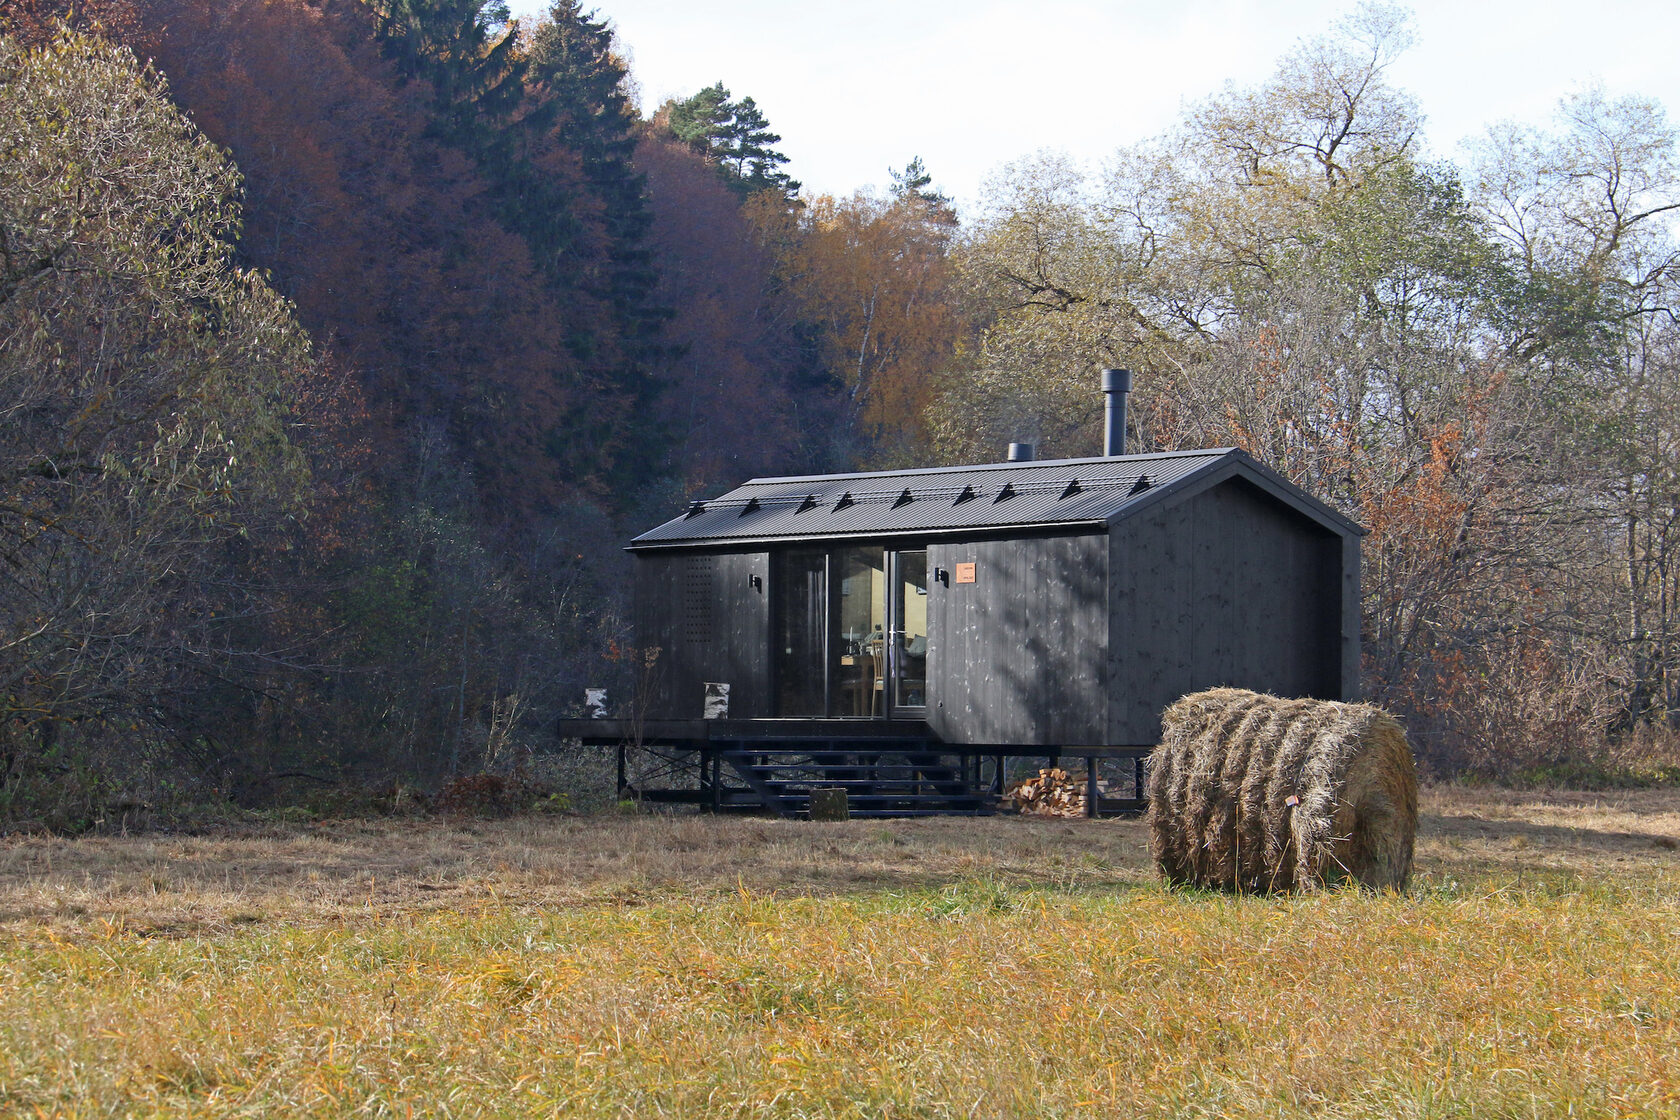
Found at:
[1591, 775]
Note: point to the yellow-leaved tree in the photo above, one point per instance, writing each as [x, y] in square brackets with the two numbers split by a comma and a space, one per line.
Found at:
[871, 276]
[143, 404]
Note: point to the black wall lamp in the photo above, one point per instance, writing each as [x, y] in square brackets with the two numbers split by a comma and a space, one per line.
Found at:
[756, 582]
[942, 576]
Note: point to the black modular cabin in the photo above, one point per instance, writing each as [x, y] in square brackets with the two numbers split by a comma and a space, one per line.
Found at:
[900, 634]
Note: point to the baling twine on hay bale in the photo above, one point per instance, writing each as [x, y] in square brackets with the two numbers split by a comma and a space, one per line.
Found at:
[1250, 792]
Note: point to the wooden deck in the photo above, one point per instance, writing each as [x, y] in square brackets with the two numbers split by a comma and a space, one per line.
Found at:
[889, 768]
[606, 732]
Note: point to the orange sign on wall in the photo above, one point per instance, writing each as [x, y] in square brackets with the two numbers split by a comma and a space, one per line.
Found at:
[965, 573]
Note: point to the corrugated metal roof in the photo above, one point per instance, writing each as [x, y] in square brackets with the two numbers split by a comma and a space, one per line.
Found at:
[946, 501]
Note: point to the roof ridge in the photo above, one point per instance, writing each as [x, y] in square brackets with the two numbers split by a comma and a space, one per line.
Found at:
[800, 496]
[1151, 456]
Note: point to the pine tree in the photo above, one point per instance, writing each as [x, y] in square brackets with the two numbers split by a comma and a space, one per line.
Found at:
[548, 124]
[913, 188]
[752, 151]
[466, 49]
[577, 85]
[736, 135]
[578, 104]
[915, 182]
[703, 121]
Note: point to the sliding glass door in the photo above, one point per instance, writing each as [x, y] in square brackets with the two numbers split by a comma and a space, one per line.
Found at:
[800, 627]
[851, 633]
[858, 653]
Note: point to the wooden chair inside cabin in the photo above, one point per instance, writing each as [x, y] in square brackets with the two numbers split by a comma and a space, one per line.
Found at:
[856, 671]
[876, 651]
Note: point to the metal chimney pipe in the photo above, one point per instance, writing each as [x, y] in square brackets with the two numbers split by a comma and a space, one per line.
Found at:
[1021, 452]
[1116, 384]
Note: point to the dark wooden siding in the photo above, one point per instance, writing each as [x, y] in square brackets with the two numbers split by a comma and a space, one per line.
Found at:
[711, 622]
[1226, 587]
[1352, 639]
[1064, 640]
[1017, 657]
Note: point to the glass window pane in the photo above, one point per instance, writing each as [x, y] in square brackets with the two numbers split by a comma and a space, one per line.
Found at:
[860, 637]
[910, 640]
[801, 612]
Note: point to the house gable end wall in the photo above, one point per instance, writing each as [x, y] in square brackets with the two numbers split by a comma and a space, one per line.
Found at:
[1225, 585]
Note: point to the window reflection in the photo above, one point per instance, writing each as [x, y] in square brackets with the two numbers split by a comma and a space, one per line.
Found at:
[860, 640]
[801, 629]
[910, 601]
[851, 631]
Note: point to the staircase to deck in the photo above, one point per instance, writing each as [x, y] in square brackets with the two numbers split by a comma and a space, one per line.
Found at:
[886, 780]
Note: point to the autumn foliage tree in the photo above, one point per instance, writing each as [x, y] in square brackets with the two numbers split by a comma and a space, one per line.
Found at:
[873, 278]
[376, 230]
[1446, 361]
[739, 401]
[145, 384]
[535, 320]
[34, 23]
[454, 212]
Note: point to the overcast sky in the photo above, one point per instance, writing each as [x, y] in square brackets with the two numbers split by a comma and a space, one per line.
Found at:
[968, 85]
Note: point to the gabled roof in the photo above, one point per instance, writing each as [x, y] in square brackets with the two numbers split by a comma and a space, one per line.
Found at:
[964, 501]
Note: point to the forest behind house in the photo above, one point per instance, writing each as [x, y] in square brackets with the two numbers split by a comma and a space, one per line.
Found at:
[344, 342]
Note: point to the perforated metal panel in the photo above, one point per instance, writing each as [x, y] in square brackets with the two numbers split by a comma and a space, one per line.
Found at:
[697, 600]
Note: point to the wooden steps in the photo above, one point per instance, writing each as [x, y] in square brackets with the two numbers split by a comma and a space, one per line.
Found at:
[879, 781]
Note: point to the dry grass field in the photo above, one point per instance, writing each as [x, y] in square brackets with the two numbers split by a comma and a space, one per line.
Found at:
[651, 966]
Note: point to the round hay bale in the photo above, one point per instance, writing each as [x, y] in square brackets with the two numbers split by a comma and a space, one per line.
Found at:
[1249, 792]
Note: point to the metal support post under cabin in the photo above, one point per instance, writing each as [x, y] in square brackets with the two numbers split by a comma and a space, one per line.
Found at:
[1091, 794]
[1137, 776]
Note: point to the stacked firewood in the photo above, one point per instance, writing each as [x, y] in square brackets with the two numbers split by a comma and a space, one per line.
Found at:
[1054, 793]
